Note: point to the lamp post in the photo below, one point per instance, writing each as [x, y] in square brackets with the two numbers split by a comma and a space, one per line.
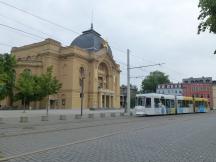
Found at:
[82, 77]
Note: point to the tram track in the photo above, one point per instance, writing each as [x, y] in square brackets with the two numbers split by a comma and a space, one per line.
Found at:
[89, 125]
[46, 150]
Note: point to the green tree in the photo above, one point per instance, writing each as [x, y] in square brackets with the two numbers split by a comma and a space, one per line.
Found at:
[2, 79]
[49, 84]
[207, 16]
[34, 88]
[7, 77]
[149, 84]
[25, 87]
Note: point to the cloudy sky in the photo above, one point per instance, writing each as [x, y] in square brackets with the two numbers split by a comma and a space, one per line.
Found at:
[163, 31]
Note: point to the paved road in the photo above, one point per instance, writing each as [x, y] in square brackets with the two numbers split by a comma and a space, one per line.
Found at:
[163, 138]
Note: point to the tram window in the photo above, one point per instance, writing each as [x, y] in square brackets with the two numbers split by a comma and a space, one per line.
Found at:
[156, 102]
[190, 103]
[163, 102]
[196, 103]
[180, 103]
[172, 103]
[141, 101]
[185, 103]
[148, 103]
[168, 103]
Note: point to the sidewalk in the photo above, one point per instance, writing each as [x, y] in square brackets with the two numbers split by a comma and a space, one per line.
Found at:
[34, 113]
[34, 116]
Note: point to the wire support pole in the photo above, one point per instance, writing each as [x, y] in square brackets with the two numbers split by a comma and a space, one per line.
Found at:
[127, 110]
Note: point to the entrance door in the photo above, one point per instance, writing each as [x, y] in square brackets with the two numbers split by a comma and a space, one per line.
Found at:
[103, 101]
[107, 102]
[52, 104]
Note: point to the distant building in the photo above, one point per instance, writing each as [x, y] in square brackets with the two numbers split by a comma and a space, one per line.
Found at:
[214, 94]
[203, 90]
[201, 80]
[123, 95]
[170, 89]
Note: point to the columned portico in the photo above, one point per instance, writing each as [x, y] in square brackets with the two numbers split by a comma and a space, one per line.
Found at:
[105, 98]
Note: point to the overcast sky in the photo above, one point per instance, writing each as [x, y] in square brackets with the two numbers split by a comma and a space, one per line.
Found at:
[162, 31]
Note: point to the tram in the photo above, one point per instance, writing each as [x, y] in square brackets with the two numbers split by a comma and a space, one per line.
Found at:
[160, 104]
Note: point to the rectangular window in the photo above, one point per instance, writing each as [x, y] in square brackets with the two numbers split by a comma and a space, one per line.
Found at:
[156, 102]
[63, 102]
[141, 101]
[185, 103]
[148, 103]
[172, 103]
[180, 103]
[168, 103]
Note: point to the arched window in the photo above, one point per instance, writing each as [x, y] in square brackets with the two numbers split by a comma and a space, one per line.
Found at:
[82, 72]
[28, 70]
[103, 76]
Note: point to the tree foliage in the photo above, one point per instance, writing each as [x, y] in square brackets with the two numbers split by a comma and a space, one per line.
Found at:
[7, 77]
[49, 84]
[26, 86]
[34, 88]
[149, 84]
[207, 16]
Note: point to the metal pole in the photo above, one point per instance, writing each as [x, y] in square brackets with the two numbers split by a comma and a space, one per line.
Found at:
[128, 81]
[82, 87]
[48, 106]
[24, 105]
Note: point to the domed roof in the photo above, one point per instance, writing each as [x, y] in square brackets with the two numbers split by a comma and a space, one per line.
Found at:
[91, 40]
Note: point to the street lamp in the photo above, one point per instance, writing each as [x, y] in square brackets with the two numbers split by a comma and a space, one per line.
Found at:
[82, 77]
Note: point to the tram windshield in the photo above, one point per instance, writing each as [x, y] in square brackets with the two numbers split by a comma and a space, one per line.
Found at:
[140, 101]
[143, 101]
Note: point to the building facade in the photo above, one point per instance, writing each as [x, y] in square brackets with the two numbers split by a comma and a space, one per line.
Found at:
[190, 89]
[123, 95]
[89, 56]
[214, 94]
[199, 90]
[170, 89]
[200, 80]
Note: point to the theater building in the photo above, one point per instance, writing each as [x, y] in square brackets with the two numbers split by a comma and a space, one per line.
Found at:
[89, 57]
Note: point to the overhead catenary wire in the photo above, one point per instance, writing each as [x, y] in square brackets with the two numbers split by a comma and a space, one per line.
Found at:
[38, 17]
[5, 44]
[22, 31]
[48, 21]
[138, 67]
[58, 25]
[25, 25]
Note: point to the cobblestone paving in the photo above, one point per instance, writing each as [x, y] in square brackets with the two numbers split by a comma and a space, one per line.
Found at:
[175, 138]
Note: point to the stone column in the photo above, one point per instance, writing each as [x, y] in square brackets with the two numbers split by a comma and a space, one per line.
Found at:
[100, 100]
[104, 101]
[110, 101]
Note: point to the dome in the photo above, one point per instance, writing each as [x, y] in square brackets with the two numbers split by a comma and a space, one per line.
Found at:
[91, 40]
